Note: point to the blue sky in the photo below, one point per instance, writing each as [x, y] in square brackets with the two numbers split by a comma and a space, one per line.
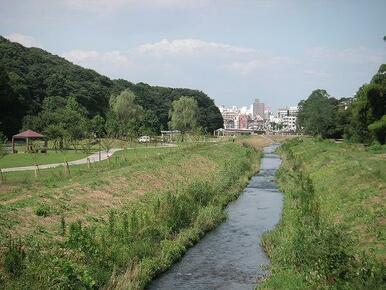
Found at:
[234, 50]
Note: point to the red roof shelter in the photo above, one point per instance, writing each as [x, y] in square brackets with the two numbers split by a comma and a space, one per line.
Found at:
[28, 135]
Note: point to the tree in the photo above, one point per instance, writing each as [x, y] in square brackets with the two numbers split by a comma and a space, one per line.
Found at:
[183, 114]
[210, 118]
[56, 133]
[75, 122]
[378, 129]
[63, 120]
[3, 139]
[317, 114]
[112, 126]
[11, 110]
[97, 126]
[343, 117]
[150, 124]
[368, 107]
[128, 113]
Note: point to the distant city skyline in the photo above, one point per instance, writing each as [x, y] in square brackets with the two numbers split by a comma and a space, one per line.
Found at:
[267, 105]
[278, 51]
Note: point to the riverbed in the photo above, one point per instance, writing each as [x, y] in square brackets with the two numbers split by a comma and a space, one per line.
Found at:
[231, 257]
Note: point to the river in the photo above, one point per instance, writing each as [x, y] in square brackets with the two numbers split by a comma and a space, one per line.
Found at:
[231, 257]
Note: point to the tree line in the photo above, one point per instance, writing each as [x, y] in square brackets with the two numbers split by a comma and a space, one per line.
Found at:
[65, 121]
[42, 91]
[361, 119]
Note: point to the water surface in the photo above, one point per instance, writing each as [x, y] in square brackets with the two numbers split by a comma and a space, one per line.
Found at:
[230, 257]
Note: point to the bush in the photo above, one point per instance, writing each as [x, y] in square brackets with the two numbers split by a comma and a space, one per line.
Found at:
[14, 258]
[376, 147]
[43, 210]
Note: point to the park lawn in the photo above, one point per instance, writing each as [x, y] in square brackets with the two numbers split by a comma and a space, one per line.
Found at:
[27, 159]
[121, 222]
[332, 233]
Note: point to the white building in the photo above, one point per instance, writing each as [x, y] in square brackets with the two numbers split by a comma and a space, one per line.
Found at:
[236, 117]
[289, 123]
[286, 119]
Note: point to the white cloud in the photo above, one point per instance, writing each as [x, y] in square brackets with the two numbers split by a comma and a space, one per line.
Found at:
[191, 46]
[181, 55]
[114, 5]
[263, 62]
[23, 39]
[205, 65]
[348, 55]
[317, 73]
[79, 56]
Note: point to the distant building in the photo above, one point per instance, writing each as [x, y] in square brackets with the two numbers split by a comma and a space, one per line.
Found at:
[281, 113]
[242, 121]
[267, 113]
[286, 118]
[289, 123]
[235, 117]
[258, 109]
[259, 118]
[230, 119]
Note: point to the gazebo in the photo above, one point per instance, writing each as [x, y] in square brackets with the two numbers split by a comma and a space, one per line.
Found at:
[28, 136]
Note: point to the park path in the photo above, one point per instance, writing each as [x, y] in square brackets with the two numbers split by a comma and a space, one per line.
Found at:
[96, 157]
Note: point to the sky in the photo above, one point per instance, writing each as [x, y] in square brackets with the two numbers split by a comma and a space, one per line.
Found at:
[234, 50]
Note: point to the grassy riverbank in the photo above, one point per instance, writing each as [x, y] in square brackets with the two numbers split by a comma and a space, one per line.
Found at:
[333, 230]
[116, 226]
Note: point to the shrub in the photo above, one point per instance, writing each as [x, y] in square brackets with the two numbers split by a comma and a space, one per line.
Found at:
[14, 260]
[43, 210]
[376, 147]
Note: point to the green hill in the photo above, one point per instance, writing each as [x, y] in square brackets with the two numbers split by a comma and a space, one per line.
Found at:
[29, 75]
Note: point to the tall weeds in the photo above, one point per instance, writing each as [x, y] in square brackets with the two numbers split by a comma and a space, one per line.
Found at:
[307, 250]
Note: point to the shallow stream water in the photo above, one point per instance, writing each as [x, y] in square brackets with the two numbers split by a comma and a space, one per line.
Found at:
[231, 257]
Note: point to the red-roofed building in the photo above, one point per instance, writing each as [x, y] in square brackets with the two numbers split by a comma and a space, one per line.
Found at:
[28, 135]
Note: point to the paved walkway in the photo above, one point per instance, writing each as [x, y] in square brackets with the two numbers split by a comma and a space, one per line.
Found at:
[93, 158]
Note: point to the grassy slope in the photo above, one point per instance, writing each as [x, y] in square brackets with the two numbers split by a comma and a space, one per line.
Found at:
[333, 230]
[23, 159]
[119, 224]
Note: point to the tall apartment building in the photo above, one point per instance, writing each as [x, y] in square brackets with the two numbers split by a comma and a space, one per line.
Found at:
[258, 109]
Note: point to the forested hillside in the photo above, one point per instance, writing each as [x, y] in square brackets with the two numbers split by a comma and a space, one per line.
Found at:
[28, 76]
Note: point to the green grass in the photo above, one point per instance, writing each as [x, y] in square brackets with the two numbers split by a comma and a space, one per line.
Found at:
[26, 159]
[333, 230]
[118, 224]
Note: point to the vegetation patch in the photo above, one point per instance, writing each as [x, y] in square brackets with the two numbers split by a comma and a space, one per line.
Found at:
[124, 243]
[332, 234]
[43, 210]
